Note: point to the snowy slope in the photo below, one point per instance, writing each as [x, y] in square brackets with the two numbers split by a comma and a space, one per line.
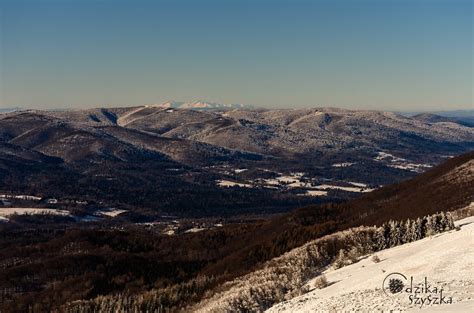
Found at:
[447, 260]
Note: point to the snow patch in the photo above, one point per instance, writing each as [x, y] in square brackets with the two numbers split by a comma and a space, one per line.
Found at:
[345, 164]
[240, 170]
[111, 212]
[21, 197]
[5, 212]
[357, 184]
[315, 193]
[400, 163]
[194, 230]
[228, 183]
[296, 181]
[349, 189]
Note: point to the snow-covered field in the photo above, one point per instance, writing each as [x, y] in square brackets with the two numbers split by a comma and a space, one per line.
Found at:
[194, 230]
[358, 188]
[315, 193]
[228, 183]
[297, 181]
[5, 212]
[21, 197]
[446, 260]
[111, 212]
[400, 163]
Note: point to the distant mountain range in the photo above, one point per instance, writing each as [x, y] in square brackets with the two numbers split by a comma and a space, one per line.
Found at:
[456, 113]
[464, 117]
[202, 105]
[447, 113]
[258, 156]
[5, 110]
[208, 105]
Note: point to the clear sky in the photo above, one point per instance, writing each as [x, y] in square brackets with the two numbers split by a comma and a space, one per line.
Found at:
[380, 54]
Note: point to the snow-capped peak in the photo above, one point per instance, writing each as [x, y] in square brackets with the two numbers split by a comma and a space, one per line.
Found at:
[201, 105]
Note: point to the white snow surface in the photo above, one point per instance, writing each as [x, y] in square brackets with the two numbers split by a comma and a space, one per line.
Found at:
[315, 193]
[240, 170]
[228, 183]
[199, 105]
[112, 212]
[400, 163]
[295, 180]
[350, 189]
[345, 164]
[21, 197]
[5, 212]
[358, 184]
[194, 230]
[446, 260]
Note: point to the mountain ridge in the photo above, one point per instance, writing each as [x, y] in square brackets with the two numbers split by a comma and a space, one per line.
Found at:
[201, 105]
[284, 156]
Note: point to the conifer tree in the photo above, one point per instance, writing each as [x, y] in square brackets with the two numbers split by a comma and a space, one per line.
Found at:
[443, 220]
[383, 237]
[423, 227]
[408, 234]
[430, 225]
[437, 223]
[402, 229]
[450, 221]
[395, 233]
[416, 230]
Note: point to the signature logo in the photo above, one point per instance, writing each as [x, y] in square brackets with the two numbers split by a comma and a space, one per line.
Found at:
[418, 293]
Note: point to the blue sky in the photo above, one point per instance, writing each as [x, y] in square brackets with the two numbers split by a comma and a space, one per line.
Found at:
[390, 55]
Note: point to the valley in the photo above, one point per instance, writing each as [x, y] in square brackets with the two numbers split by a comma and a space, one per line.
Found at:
[201, 162]
[180, 262]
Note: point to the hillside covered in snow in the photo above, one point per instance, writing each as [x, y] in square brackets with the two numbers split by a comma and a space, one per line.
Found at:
[446, 260]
